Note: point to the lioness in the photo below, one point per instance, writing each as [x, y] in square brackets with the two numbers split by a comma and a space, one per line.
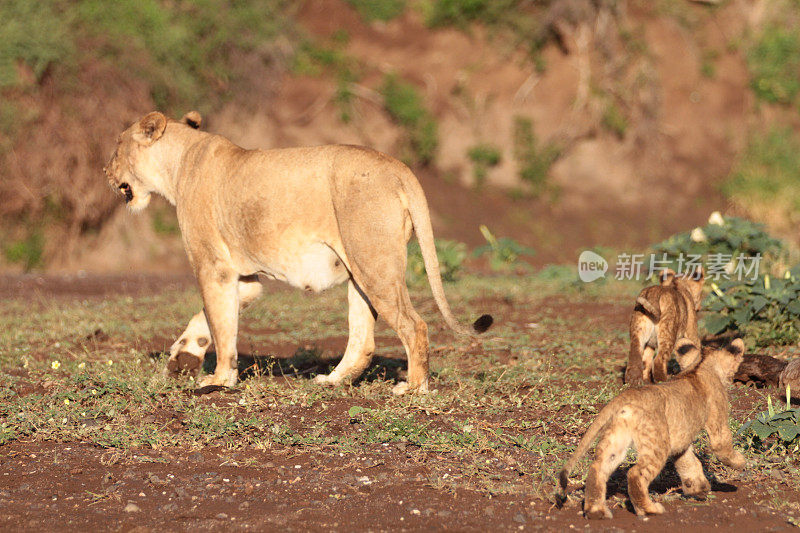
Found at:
[661, 421]
[312, 217]
[663, 314]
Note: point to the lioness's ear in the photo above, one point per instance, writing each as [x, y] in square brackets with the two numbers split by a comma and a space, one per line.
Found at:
[150, 128]
[666, 276]
[736, 347]
[698, 274]
[192, 119]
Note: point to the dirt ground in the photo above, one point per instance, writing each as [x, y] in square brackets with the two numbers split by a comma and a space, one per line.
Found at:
[341, 481]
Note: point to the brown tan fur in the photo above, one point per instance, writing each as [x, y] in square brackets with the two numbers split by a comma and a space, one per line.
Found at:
[663, 314]
[313, 217]
[661, 421]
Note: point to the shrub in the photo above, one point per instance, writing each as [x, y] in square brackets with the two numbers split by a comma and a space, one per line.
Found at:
[34, 33]
[504, 253]
[614, 121]
[483, 156]
[722, 236]
[460, 13]
[451, 256]
[405, 105]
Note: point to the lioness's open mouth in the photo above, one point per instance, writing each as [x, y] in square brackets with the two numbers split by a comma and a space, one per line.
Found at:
[127, 191]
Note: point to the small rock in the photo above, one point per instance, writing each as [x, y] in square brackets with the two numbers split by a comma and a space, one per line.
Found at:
[132, 508]
[169, 508]
[519, 518]
[222, 516]
[443, 514]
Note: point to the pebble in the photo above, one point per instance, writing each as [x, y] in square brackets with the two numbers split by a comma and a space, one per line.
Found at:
[132, 508]
[222, 516]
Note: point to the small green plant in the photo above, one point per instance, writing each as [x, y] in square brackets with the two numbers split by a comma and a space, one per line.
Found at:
[534, 161]
[461, 13]
[766, 310]
[405, 105]
[504, 253]
[774, 62]
[774, 431]
[483, 157]
[165, 222]
[451, 256]
[384, 10]
[614, 121]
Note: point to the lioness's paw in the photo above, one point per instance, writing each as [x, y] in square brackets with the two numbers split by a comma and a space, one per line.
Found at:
[737, 461]
[183, 363]
[650, 508]
[227, 379]
[327, 379]
[403, 387]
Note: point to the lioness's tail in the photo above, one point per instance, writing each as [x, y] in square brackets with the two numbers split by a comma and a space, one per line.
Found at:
[648, 306]
[583, 446]
[420, 218]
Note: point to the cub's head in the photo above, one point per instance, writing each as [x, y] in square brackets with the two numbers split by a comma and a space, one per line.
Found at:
[724, 359]
[692, 281]
[134, 170]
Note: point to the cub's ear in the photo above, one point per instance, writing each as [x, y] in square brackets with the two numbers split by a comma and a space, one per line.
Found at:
[192, 119]
[698, 274]
[150, 128]
[666, 276]
[685, 346]
[736, 347]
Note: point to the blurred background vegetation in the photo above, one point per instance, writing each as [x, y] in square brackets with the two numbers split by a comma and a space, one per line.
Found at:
[557, 124]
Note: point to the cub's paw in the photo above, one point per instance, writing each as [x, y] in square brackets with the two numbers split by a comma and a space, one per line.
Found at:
[183, 363]
[598, 512]
[650, 508]
[737, 461]
[696, 488]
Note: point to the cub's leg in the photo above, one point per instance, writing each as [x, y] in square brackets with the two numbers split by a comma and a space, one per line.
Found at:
[610, 452]
[667, 337]
[219, 288]
[189, 351]
[693, 480]
[721, 440]
[641, 330]
[651, 460]
[360, 343]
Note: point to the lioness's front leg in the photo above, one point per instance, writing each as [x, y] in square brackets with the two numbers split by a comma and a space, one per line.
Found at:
[219, 288]
[188, 352]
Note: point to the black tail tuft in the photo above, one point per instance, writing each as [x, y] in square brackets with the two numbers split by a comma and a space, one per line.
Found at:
[561, 492]
[483, 323]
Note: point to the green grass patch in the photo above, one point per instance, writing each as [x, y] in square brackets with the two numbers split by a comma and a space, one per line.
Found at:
[774, 62]
[765, 177]
[383, 10]
[483, 156]
[533, 159]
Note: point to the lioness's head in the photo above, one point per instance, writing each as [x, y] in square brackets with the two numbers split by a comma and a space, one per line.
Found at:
[133, 169]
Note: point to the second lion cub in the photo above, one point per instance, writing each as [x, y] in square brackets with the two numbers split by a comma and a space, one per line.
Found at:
[663, 315]
[661, 421]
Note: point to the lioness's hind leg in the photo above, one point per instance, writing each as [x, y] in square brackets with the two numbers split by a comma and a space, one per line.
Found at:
[188, 352]
[360, 343]
[693, 480]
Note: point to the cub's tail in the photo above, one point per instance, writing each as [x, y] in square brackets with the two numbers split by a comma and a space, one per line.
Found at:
[583, 446]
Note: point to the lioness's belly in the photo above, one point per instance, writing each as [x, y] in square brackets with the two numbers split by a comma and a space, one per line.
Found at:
[315, 267]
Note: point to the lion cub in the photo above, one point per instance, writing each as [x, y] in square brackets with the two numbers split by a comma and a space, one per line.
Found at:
[661, 421]
[663, 314]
